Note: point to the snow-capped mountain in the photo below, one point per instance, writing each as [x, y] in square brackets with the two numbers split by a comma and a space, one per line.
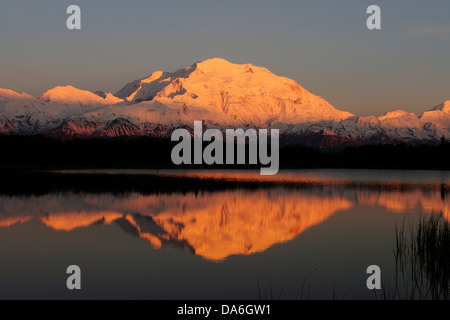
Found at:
[223, 95]
[233, 94]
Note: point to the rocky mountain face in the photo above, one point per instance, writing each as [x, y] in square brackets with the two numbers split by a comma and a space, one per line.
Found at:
[223, 95]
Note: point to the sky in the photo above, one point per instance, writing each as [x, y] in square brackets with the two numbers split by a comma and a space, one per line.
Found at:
[324, 45]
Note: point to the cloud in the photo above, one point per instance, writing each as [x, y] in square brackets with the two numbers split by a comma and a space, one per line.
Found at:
[442, 32]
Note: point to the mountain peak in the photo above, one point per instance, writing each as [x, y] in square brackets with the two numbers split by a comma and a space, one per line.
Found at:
[222, 66]
[218, 64]
[147, 88]
[444, 107]
[64, 94]
[154, 76]
[10, 94]
[72, 95]
[395, 114]
[215, 61]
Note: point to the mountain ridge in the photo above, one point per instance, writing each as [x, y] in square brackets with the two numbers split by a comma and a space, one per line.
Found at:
[223, 95]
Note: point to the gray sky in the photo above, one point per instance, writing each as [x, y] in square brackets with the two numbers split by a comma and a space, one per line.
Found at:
[322, 44]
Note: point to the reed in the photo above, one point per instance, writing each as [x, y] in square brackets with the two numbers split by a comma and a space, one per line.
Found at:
[422, 260]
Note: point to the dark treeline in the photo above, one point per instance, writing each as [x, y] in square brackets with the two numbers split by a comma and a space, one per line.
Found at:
[37, 152]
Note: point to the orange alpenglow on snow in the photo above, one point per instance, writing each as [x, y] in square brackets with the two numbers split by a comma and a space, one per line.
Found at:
[245, 224]
[71, 95]
[225, 92]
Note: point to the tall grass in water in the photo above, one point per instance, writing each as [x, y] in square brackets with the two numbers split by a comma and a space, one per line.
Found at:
[422, 259]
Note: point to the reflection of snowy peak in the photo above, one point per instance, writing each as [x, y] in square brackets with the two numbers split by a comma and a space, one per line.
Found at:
[222, 94]
[216, 225]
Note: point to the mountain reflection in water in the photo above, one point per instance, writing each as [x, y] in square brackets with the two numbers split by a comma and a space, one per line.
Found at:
[216, 224]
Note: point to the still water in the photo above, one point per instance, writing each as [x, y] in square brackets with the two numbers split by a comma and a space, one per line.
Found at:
[303, 234]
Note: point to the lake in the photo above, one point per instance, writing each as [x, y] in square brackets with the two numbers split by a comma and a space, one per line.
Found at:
[168, 234]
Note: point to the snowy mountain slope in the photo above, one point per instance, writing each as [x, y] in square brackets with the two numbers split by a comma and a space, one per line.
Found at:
[439, 116]
[25, 114]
